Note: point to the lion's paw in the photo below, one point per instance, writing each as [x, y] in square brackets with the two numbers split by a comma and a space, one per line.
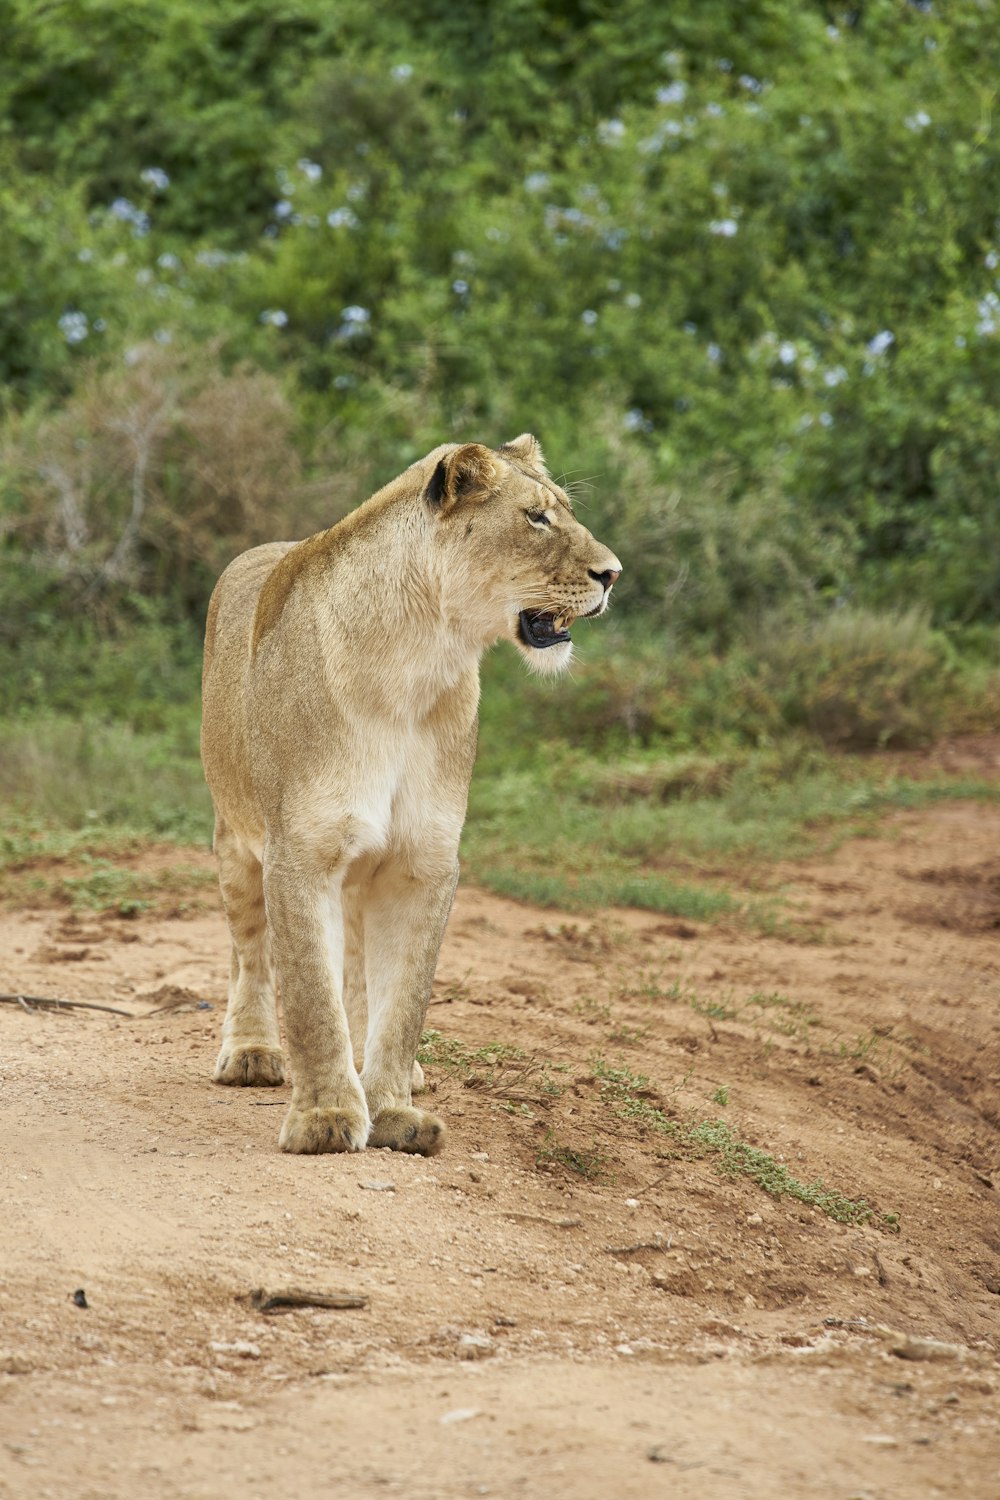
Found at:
[311, 1131]
[250, 1067]
[408, 1129]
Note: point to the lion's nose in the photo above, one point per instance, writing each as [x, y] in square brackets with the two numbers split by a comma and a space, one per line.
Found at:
[607, 578]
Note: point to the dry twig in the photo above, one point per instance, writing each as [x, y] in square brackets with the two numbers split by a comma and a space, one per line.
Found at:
[42, 1002]
[292, 1297]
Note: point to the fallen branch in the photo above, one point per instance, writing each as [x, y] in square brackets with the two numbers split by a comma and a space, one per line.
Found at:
[658, 1244]
[655, 1183]
[41, 1002]
[541, 1219]
[286, 1301]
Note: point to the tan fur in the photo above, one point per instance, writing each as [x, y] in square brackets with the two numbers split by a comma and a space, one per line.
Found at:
[341, 687]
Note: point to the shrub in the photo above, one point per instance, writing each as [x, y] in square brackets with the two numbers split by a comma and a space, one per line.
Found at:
[860, 679]
[156, 472]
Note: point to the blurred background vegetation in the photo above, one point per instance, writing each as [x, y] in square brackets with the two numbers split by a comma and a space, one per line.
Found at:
[736, 264]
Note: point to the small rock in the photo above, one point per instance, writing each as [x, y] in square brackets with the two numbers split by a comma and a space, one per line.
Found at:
[242, 1348]
[376, 1185]
[905, 1347]
[631, 1203]
[754, 1219]
[880, 1440]
[14, 1364]
[480, 1156]
[475, 1346]
[80, 1298]
[460, 1414]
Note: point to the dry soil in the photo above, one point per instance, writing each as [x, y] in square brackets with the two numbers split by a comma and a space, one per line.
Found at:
[653, 1329]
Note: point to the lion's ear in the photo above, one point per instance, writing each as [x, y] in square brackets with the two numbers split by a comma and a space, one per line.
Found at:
[465, 474]
[526, 450]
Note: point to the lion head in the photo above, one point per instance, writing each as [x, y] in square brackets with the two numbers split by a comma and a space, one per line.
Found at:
[529, 568]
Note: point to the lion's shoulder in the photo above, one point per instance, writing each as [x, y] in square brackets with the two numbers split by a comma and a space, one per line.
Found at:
[293, 566]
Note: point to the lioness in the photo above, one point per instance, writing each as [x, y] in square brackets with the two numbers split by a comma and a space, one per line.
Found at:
[340, 696]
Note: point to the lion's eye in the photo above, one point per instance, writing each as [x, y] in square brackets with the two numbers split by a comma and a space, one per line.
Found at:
[538, 518]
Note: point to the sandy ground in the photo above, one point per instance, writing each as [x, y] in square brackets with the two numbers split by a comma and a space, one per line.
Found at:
[658, 1330]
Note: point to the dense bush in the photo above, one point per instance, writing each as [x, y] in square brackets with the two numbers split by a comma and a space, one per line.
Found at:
[860, 680]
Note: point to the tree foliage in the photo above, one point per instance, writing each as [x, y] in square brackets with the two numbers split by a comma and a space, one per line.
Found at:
[739, 261]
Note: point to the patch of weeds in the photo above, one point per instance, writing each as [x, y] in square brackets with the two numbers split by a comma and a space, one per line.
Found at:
[721, 1096]
[863, 1048]
[881, 1048]
[25, 842]
[104, 886]
[591, 1163]
[648, 892]
[627, 1094]
[644, 986]
[109, 887]
[456, 1057]
[716, 1010]
[628, 1036]
[737, 1158]
[789, 1017]
[510, 1107]
[591, 1010]
[770, 922]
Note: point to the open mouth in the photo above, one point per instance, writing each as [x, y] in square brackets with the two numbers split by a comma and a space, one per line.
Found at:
[540, 630]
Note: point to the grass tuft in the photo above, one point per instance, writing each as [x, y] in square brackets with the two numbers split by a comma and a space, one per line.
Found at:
[628, 1094]
[591, 1163]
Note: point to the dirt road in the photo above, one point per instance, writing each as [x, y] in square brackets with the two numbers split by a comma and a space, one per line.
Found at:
[573, 1300]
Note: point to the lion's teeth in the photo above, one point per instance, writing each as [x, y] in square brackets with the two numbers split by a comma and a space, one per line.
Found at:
[559, 623]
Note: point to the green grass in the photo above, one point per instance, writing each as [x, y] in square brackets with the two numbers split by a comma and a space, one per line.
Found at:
[105, 779]
[625, 1092]
[109, 887]
[590, 1163]
[586, 892]
[575, 828]
[538, 834]
[453, 1056]
[87, 867]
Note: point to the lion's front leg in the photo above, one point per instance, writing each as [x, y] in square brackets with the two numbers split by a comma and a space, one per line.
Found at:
[405, 916]
[328, 1111]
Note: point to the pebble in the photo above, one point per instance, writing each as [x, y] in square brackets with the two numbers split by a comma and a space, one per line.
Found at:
[475, 1346]
[460, 1414]
[906, 1347]
[243, 1348]
[754, 1219]
[376, 1185]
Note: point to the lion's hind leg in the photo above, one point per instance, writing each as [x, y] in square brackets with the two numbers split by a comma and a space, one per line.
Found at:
[250, 1055]
[355, 987]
